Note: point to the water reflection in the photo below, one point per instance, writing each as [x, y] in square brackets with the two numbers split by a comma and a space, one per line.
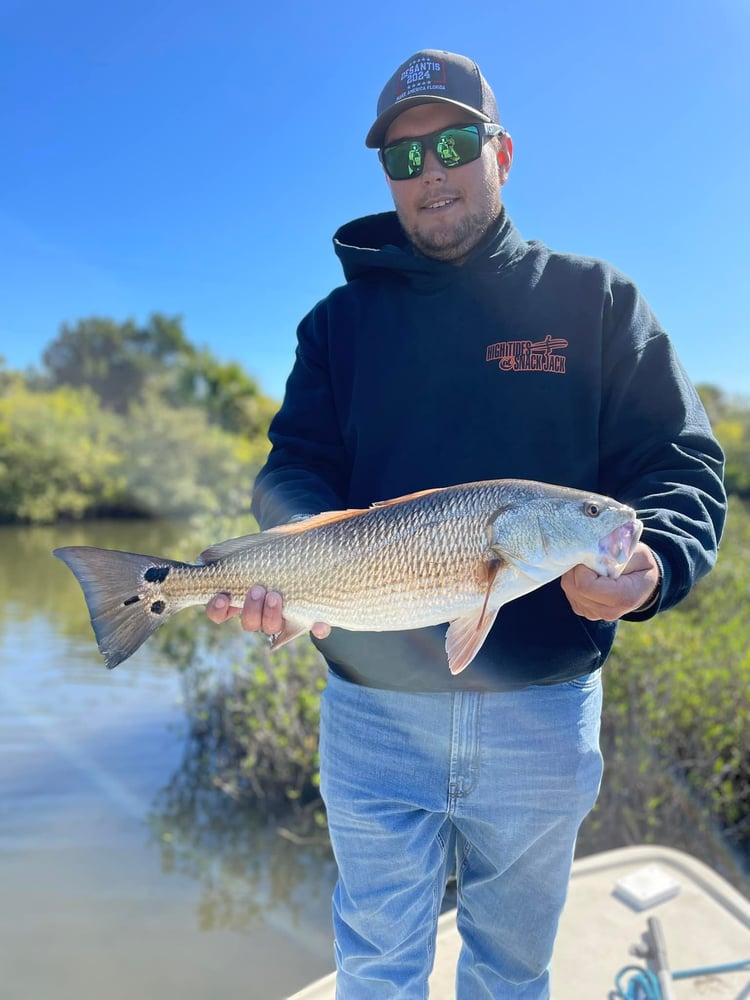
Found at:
[33, 582]
[246, 861]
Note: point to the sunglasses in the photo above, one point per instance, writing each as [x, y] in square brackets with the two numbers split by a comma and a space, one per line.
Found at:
[453, 147]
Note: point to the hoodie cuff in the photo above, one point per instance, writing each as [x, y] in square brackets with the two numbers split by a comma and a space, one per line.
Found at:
[651, 605]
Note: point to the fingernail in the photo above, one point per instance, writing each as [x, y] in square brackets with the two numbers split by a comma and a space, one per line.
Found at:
[272, 600]
[256, 593]
[220, 602]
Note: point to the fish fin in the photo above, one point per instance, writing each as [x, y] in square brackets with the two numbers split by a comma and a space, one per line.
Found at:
[331, 516]
[493, 567]
[290, 631]
[465, 635]
[124, 605]
[223, 550]
[407, 496]
[316, 521]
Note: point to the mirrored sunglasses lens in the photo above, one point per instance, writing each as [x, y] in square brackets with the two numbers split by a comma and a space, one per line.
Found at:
[458, 145]
[404, 159]
[453, 147]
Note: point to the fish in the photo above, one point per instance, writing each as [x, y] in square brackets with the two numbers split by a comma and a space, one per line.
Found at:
[452, 555]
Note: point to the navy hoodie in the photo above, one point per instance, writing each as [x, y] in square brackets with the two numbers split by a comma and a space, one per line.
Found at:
[521, 363]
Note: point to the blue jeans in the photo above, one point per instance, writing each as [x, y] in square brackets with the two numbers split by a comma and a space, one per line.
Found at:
[495, 784]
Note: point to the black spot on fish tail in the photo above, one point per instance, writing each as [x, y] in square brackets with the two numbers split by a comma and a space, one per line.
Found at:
[123, 616]
[156, 574]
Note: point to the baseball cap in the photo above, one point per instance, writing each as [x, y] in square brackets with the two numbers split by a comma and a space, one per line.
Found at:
[432, 75]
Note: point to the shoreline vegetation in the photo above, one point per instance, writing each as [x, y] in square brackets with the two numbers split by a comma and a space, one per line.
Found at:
[135, 421]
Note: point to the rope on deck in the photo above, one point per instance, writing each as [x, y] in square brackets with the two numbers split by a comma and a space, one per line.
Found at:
[644, 985]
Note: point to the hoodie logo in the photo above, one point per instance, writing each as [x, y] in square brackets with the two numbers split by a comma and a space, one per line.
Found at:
[528, 356]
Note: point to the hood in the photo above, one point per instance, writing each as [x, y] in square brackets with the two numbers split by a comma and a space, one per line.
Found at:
[377, 243]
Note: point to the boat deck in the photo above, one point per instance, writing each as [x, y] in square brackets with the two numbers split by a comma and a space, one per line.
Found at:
[705, 922]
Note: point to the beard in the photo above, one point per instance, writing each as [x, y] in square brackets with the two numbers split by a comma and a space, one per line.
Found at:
[452, 242]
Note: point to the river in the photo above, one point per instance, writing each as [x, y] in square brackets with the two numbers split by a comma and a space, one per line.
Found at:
[105, 891]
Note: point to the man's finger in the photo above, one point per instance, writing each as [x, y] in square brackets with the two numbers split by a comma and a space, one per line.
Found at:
[252, 610]
[219, 609]
[272, 620]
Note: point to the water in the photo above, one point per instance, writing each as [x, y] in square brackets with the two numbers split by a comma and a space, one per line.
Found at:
[120, 875]
[110, 886]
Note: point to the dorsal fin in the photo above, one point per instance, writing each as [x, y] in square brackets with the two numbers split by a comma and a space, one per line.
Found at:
[408, 496]
[224, 550]
[315, 521]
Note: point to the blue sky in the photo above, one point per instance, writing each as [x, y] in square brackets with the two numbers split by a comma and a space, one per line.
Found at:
[196, 158]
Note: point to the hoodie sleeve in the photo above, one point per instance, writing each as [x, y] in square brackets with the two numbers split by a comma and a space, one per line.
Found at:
[307, 470]
[658, 452]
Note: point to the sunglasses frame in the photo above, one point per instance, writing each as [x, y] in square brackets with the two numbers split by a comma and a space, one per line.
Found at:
[430, 141]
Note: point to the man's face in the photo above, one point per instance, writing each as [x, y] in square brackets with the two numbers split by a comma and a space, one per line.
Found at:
[446, 211]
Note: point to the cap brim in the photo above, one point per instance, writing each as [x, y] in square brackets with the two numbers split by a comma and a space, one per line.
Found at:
[376, 135]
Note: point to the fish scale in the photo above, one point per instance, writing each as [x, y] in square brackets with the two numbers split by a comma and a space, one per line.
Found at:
[426, 561]
[452, 555]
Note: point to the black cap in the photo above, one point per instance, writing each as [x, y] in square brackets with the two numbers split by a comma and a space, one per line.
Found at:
[433, 76]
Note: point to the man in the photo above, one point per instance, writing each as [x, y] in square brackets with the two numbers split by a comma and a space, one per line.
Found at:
[457, 352]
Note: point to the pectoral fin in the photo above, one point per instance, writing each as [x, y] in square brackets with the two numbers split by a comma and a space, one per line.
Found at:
[465, 636]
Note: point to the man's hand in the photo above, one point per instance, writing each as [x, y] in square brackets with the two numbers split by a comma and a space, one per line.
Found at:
[261, 612]
[600, 598]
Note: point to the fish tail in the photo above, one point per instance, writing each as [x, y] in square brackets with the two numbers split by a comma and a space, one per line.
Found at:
[124, 595]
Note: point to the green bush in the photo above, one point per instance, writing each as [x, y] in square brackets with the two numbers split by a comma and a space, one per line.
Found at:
[253, 713]
[677, 688]
[175, 463]
[63, 456]
[56, 454]
[272, 710]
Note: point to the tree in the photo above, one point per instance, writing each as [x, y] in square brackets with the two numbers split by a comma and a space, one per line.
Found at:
[231, 398]
[114, 359]
[123, 362]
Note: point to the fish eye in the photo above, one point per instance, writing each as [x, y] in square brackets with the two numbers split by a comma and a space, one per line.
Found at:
[592, 509]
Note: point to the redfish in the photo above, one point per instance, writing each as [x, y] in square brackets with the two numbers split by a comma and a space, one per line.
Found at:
[454, 555]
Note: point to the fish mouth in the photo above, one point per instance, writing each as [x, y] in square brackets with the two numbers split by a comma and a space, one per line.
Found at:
[616, 548]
